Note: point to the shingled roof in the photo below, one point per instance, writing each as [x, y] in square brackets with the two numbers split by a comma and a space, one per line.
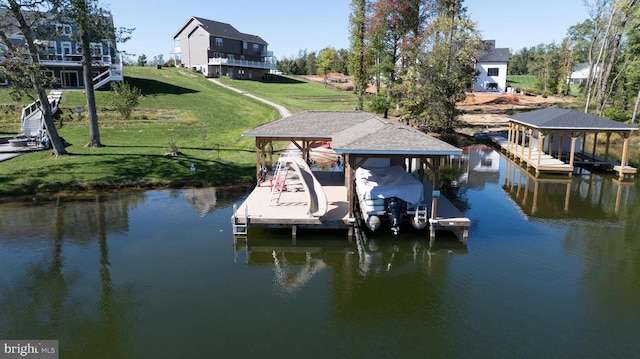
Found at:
[355, 132]
[566, 119]
[216, 28]
[497, 55]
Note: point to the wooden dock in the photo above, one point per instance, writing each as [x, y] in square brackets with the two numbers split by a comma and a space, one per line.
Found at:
[533, 157]
[290, 209]
[447, 218]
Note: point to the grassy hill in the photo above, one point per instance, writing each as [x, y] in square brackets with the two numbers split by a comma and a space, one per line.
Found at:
[180, 110]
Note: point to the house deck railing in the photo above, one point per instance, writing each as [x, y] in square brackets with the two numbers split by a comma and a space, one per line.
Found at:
[243, 63]
[73, 59]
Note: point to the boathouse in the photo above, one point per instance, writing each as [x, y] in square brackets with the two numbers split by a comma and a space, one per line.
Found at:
[356, 138]
[552, 140]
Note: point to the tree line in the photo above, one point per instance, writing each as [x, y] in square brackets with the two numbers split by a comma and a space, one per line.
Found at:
[327, 60]
[415, 57]
[418, 56]
[607, 44]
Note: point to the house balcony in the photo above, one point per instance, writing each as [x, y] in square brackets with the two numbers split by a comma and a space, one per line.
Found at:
[266, 54]
[220, 61]
[73, 60]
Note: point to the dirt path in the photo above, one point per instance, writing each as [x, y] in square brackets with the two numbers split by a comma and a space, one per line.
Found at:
[283, 111]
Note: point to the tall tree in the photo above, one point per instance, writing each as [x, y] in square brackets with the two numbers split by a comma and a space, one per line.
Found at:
[633, 57]
[443, 68]
[311, 63]
[545, 67]
[518, 62]
[20, 59]
[357, 63]
[326, 60]
[601, 27]
[566, 67]
[621, 11]
[94, 24]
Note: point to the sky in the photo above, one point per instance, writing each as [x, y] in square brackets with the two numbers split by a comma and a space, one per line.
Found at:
[290, 26]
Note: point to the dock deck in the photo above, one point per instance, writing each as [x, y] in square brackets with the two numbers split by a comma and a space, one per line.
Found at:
[532, 157]
[290, 209]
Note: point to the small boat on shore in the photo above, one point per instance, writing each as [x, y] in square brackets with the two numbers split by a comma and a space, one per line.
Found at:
[390, 193]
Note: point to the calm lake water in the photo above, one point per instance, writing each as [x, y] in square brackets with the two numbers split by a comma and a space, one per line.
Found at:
[551, 270]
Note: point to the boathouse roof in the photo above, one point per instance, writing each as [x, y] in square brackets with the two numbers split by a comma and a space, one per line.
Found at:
[566, 119]
[354, 132]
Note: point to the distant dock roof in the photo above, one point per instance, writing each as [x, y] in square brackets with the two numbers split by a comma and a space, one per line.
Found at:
[567, 119]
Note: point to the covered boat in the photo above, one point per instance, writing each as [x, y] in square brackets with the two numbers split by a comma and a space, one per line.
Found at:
[390, 193]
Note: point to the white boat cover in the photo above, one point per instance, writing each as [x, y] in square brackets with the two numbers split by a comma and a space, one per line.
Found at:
[387, 182]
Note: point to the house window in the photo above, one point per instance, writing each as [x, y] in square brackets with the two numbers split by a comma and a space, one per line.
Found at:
[256, 47]
[63, 29]
[218, 41]
[66, 48]
[245, 45]
[96, 49]
[51, 51]
[218, 55]
[493, 71]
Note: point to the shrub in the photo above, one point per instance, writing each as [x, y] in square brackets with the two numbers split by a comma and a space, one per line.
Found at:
[616, 114]
[379, 104]
[125, 98]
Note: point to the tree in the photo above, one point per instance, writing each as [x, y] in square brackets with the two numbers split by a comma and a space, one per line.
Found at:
[519, 62]
[158, 60]
[20, 59]
[443, 67]
[546, 67]
[326, 59]
[633, 57]
[142, 60]
[301, 63]
[357, 62]
[311, 64]
[94, 24]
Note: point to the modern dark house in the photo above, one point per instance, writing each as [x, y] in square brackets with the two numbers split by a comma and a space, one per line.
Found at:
[217, 49]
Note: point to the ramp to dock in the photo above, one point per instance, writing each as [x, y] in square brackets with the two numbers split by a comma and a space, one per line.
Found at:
[317, 198]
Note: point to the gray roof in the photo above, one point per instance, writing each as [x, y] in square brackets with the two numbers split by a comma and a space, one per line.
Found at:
[355, 132]
[216, 28]
[497, 55]
[566, 119]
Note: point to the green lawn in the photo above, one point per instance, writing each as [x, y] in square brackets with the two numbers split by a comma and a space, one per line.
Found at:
[205, 121]
[521, 82]
[297, 95]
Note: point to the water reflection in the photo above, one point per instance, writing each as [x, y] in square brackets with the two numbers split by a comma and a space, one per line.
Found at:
[296, 263]
[57, 277]
[589, 196]
[157, 274]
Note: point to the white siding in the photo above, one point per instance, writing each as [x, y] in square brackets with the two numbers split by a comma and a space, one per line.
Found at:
[483, 80]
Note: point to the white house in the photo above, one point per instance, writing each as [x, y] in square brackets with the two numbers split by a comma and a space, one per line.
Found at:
[580, 73]
[491, 65]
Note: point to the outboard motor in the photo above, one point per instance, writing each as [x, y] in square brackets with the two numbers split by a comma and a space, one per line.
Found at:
[393, 207]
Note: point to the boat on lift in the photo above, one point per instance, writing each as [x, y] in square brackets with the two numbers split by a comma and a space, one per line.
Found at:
[390, 194]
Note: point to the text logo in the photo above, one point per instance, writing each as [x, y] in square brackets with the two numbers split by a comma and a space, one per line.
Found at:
[32, 349]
